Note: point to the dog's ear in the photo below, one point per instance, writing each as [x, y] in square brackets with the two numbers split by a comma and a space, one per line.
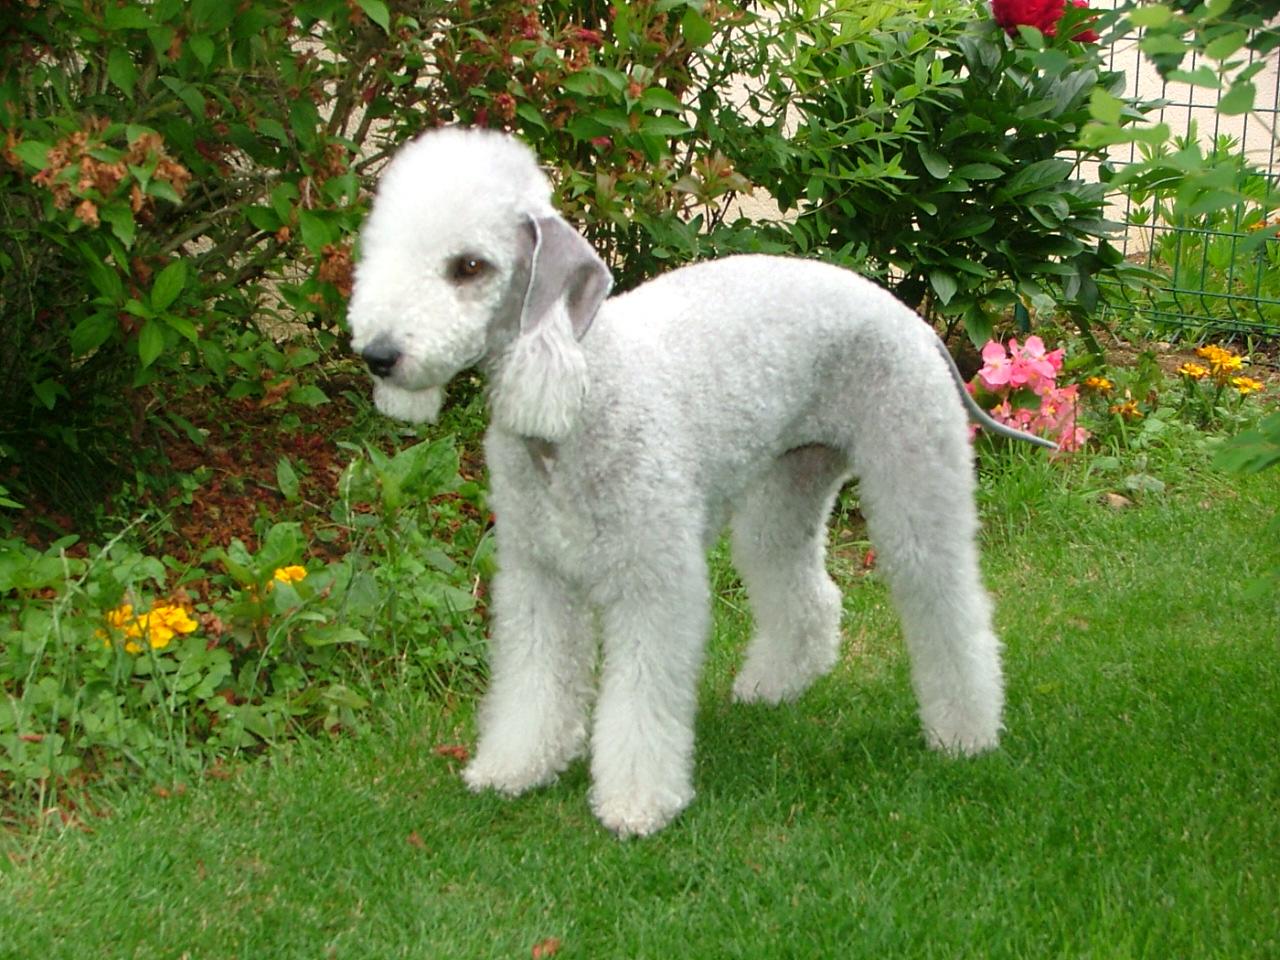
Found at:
[542, 379]
[565, 273]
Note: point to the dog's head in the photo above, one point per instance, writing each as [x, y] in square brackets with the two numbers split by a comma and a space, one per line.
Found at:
[463, 259]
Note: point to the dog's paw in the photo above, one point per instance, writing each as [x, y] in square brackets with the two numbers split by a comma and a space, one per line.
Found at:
[639, 814]
[484, 773]
[751, 687]
[963, 743]
[774, 686]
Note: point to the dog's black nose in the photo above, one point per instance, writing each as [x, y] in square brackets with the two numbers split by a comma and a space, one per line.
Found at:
[381, 357]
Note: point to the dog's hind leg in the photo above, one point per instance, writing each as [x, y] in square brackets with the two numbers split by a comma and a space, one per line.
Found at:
[542, 653]
[916, 489]
[779, 547]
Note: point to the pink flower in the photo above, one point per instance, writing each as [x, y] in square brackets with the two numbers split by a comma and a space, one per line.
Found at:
[996, 368]
[1031, 365]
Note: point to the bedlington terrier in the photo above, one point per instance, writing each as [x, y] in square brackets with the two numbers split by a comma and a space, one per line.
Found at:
[626, 432]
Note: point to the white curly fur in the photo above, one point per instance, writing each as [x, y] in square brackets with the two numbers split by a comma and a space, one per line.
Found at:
[744, 390]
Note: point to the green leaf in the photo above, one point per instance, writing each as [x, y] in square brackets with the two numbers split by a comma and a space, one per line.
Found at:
[163, 190]
[664, 126]
[121, 70]
[697, 31]
[659, 98]
[532, 116]
[1104, 107]
[335, 635]
[1150, 15]
[316, 233]
[237, 561]
[270, 127]
[287, 480]
[1154, 44]
[583, 82]
[1225, 45]
[47, 391]
[1239, 99]
[1037, 175]
[187, 94]
[971, 226]
[131, 17]
[1253, 450]
[150, 342]
[181, 326]
[309, 396]
[979, 171]
[280, 548]
[979, 326]
[377, 12]
[33, 153]
[938, 166]
[1201, 76]
[104, 279]
[201, 48]
[283, 196]
[168, 285]
[263, 218]
[92, 332]
[304, 121]
[944, 285]
[122, 223]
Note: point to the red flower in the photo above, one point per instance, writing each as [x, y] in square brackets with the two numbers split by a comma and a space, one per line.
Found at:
[1041, 14]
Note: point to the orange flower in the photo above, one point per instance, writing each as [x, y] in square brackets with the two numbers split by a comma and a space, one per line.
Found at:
[1247, 385]
[1128, 408]
[1100, 384]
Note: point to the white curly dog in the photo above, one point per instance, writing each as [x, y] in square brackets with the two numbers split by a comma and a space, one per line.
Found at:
[626, 432]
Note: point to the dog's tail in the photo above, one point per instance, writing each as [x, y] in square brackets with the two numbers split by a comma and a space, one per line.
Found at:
[980, 416]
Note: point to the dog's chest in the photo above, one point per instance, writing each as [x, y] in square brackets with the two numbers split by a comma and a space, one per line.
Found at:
[542, 509]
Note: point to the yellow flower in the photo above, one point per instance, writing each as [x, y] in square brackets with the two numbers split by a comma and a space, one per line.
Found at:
[156, 628]
[1222, 362]
[1194, 371]
[1211, 351]
[120, 616]
[1246, 385]
[291, 574]
[1101, 384]
[1225, 364]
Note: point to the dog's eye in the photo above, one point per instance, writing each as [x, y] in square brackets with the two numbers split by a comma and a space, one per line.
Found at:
[466, 267]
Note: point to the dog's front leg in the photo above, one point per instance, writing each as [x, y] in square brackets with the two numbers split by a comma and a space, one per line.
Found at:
[532, 721]
[655, 628]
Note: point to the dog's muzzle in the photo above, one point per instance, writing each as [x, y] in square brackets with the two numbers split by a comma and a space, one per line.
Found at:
[381, 356]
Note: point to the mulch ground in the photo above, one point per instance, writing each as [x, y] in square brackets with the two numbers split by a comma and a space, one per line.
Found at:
[243, 441]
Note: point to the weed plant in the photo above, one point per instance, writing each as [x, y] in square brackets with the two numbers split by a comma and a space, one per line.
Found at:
[1218, 272]
[121, 664]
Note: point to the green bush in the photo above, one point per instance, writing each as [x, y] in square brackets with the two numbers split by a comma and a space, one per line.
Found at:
[171, 191]
[181, 181]
[915, 136]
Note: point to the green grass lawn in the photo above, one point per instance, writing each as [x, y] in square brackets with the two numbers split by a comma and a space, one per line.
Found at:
[1132, 811]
